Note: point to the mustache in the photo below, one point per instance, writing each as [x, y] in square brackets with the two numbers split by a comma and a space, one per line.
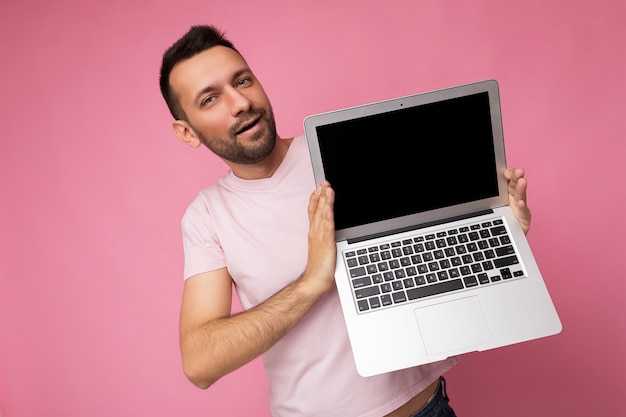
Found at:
[245, 118]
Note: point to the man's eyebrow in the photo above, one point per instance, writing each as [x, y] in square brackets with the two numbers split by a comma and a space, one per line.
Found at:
[211, 87]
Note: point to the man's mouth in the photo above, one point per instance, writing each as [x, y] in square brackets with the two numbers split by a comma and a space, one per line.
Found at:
[248, 125]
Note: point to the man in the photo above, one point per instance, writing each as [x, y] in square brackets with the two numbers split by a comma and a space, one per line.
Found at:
[267, 229]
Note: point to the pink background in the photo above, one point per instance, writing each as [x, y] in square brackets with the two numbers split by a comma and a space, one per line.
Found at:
[93, 185]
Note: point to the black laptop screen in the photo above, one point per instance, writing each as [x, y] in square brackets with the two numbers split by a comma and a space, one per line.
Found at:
[410, 160]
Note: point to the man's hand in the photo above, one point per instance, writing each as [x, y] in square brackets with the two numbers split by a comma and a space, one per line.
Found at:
[320, 269]
[517, 196]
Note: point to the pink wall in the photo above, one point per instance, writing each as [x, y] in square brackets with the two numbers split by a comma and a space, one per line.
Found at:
[93, 185]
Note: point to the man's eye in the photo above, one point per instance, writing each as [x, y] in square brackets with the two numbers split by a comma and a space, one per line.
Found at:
[208, 100]
[243, 81]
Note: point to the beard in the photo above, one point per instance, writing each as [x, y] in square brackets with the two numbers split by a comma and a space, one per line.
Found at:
[259, 146]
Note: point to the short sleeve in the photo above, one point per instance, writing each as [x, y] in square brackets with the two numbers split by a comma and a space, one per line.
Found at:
[201, 246]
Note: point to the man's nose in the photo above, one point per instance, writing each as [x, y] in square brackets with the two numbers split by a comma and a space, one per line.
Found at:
[237, 102]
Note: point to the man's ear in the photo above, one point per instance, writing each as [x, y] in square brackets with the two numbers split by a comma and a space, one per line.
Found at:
[184, 132]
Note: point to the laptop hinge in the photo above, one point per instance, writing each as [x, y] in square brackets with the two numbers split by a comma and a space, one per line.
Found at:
[419, 226]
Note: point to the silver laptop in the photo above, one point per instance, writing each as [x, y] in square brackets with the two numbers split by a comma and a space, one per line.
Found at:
[431, 261]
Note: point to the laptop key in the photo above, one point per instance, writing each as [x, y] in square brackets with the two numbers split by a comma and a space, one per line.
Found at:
[505, 250]
[357, 272]
[483, 278]
[506, 261]
[439, 288]
[374, 302]
[506, 273]
[498, 230]
[366, 292]
[385, 300]
[488, 265]
[470, 281]
[399, 297]
[361, 282]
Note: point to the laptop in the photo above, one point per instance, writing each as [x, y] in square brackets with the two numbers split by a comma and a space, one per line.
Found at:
[431, 261]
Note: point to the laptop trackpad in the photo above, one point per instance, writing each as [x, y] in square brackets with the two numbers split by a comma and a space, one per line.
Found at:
[452, 325]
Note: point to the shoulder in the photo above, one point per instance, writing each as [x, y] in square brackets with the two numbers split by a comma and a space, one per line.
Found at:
[199, 210]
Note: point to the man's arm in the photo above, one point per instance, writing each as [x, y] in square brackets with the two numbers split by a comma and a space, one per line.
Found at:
[517, 196]
[214, 343]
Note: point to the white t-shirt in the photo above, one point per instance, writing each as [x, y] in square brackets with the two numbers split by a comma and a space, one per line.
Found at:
[258, 230]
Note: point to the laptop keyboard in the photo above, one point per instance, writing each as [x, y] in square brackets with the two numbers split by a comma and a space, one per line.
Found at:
[406, 270]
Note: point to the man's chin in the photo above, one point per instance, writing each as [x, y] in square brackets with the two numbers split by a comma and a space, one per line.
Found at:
[255, 154]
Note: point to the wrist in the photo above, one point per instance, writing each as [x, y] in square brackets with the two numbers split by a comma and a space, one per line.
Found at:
[313, 286]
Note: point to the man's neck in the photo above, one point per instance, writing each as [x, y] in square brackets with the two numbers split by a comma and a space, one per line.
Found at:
[265, 168]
